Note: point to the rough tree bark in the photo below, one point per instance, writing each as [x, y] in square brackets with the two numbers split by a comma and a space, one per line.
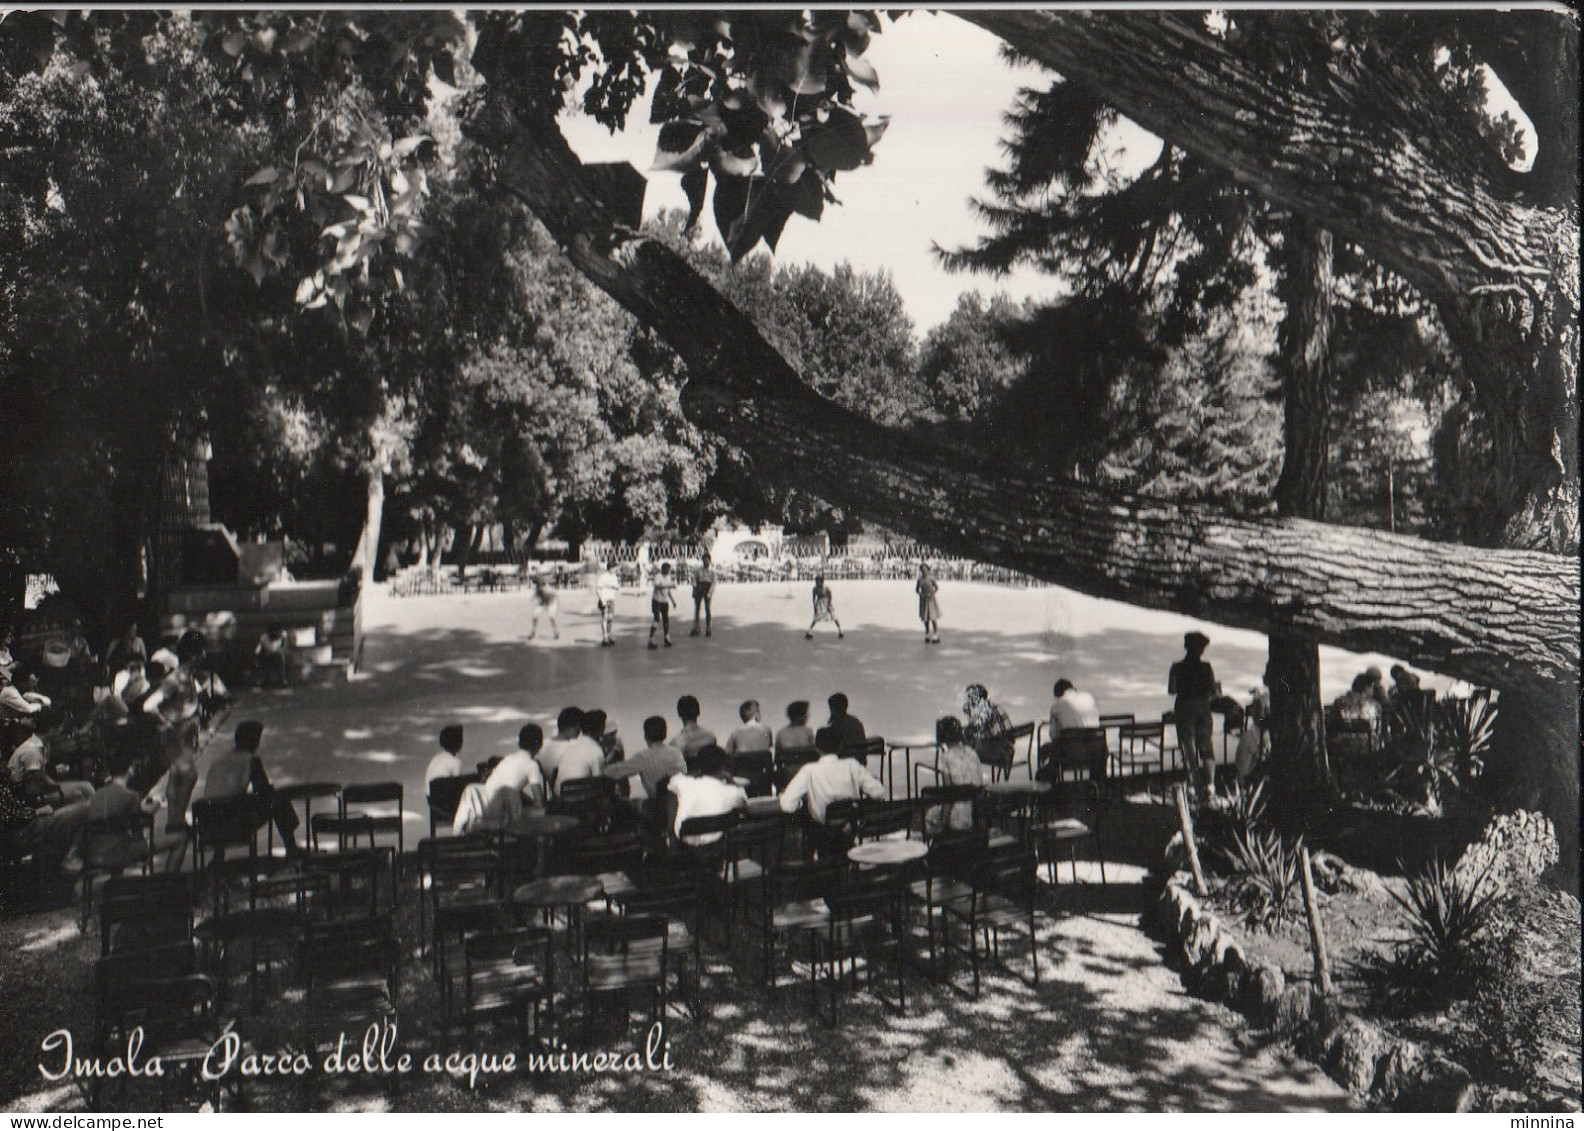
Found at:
[1501, 618]
[1304, 285]
[1347, 152]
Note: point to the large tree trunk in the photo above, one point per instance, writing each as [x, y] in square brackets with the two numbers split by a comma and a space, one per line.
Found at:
[1346, 149]
[366, 555]
[1304, 284]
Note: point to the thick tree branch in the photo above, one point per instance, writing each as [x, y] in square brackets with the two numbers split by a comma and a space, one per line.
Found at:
[1342, 151]
[1504, 618]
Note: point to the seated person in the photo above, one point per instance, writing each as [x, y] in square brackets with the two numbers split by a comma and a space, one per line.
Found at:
[19, 695]
[126, 647]
[1071, 708]
[447, 763]
[691, 738]
[654, 763]
[50, 832]
[596, 724]
[29, 767]
[240, 771]
[516, 778]
[830, 778]
[959, 765]
[1357, 704]
[847, 728]
[173, 793]
[704, 791]
[797, 734]
[571, 753]
[272, 656]
[753, 737]
[115, 803]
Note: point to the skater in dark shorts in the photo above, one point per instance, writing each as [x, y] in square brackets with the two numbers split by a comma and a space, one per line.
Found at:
[661, 601]
[929, 607]
[823, 609]
[703, 591]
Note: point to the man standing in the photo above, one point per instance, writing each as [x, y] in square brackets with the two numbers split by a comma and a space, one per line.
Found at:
[606, 588]
[703, 591]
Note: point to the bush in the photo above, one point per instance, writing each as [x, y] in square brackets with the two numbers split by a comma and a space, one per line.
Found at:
[1448, 911]
[1266, 871]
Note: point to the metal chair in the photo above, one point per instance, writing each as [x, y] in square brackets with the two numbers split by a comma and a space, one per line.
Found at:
[1003, 898]
[1068, 816]
[865, 749]
[625, 955]
[860, 923]
[367, 804]
[444, 795]
[757, 769]
[505, 972]
[1142, 746]
[351, 972]
[947, 873]
[145, 913]
[794, 900]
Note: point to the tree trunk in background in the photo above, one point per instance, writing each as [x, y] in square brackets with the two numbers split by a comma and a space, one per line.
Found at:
[1304, 284]
[366, 555]
[1347, 150]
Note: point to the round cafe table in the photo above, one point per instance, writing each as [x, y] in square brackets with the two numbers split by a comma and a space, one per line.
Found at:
[887, 853]
[568, 892]
[541, 828]
[1032, 788]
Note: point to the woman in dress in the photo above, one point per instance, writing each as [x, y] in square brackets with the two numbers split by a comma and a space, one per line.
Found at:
[929, 607]
[661, 601]
[824, 609]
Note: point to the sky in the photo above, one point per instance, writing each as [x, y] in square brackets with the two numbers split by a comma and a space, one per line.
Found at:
[944, 85]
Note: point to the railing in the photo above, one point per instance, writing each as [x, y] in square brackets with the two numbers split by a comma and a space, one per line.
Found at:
[430, 581]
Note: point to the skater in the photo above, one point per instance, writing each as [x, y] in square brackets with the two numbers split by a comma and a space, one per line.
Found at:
[929, 608]
[823, 609]
[661, 601]
[545, 603]
[703, 590]
[606, 587]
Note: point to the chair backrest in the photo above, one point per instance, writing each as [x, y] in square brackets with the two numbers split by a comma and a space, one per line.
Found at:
[642, 941]
[955, 852]
[865, 749]
[759, 837]
[949, 794]
[145, 911]
[496, 960]
[1118, 719]
[611, 852]
[704, 826]
[675, 900]
[112, 842]
[225, 821]
[1019, 732]
[843, 811]
[794, 758]
[1142, 733]
[756, 768]
[1083, 750]
[862, 897]
[804, 879]
[157, 989]
[1008, 871]
[598, 787]
[885, 818]
[371, 793]
[348, 949]
[445, 794]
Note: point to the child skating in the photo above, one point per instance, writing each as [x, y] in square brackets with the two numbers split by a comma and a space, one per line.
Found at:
[824, 609]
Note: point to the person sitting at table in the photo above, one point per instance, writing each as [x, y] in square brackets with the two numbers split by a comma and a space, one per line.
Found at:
[1071, 708]
[571, 753]
[830, 778]
[29, 766]
[654, 763]
[19, 700]
[691, 738]
[704, 791]
[959, 765]
[516, 778]
[847, 728]
[241, 770]
[116, 802]
[596, 724]
[448, 762]
[797, 734]
[753, 737]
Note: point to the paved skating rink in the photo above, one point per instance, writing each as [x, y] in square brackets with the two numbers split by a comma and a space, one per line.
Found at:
[430, 661]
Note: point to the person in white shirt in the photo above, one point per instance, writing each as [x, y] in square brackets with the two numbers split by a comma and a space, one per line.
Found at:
[1072, 708]
[29, 767]
[753, 737]
[571, 754]
[606, 589]
[831, 778]
[517, 777]
[446, 764]
[15, 702]
[704, 792]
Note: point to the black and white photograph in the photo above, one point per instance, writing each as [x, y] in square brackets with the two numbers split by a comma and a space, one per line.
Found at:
[768, 559]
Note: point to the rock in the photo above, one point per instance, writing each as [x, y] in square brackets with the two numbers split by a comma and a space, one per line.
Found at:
[1397, 1069]
[1514, 848]
[1292, 1009]
[1441, 1086]
[1269, 984]
[1349, 1052]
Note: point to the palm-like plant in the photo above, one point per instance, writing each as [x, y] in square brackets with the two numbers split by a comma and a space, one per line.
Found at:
[1448, 909]
[1266, 869]
[1466, 727]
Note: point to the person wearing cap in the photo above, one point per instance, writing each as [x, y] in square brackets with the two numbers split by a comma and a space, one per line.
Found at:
[1193, 682]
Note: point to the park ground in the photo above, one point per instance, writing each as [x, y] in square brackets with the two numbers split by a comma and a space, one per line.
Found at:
[1109, 1027]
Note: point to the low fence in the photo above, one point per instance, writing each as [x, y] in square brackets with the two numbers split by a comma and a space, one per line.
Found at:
[633, 572]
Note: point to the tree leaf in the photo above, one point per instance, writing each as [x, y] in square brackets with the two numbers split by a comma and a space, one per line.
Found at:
[862, 71]
[679, 146]
[840, 143]
[265, 176]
